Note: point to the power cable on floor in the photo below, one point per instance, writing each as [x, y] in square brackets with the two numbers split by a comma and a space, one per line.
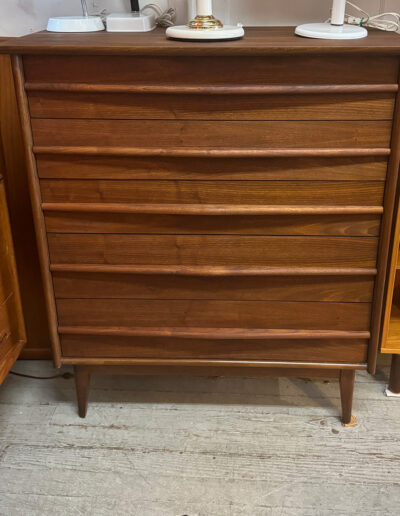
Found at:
[66, 376]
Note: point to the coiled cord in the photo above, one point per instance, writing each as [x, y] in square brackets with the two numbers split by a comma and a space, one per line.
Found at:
[164, 18]
[383, 21]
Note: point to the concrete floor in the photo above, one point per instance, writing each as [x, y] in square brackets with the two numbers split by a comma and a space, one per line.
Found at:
[165, 446]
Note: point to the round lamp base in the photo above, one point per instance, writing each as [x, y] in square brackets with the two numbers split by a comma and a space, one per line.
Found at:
[328, 31]
[224, 33]
[75, 24]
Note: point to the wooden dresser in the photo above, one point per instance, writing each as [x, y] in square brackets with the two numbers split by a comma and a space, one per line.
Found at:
[212, 208]
[12, 329]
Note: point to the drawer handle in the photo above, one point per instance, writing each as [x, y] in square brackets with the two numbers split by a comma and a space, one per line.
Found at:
[210, 89]
[209, 209]
[3, 337]
[213, 333]
[212, 270]
[182, 152]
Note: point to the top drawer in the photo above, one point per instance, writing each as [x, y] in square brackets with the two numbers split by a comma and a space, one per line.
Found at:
[145, 70]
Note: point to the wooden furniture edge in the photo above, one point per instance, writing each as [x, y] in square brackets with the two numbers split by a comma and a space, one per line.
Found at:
[205, 363]
[281, 40]
[38, 217]
[385, 239]
[213, 89]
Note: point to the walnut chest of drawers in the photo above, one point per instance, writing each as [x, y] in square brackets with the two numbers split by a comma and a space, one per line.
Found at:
[219, 208]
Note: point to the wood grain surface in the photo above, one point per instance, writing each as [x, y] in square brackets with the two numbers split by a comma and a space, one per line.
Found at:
[258, 41]
[347, 351]
[213, 314]
[319, 223]
[328, 106]
[210, 70]
[19, 205]
[37, 216]
[211, 135]
[341, 193]
[135, 286]
[212, 250]
[12, 326]
[221, 169]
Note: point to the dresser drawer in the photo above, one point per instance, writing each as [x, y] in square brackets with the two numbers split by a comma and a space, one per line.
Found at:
[167, 134]
[212, 250]
[199, 70]
[86, 283]
[333, 168]
[363, 105]
[133, 313]
[342, 193]
[63, 220]
[328, 350]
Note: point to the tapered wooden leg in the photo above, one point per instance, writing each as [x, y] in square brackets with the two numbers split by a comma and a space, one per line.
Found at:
[394, 381]
[346, 380]
[82, 382]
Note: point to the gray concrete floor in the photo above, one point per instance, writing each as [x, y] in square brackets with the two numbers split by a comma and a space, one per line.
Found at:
[166, 446]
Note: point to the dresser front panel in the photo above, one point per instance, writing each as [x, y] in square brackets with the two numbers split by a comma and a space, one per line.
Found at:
[208, 208]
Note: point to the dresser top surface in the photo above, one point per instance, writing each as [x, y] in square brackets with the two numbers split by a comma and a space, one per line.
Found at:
[257, 41]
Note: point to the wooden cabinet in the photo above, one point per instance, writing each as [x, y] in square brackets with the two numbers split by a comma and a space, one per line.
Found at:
[212, 209]
[20, 211]
[12, 331]
[391, 317]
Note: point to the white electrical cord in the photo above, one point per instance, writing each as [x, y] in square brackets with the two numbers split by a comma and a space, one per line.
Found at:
[164, 18]
[383, 21]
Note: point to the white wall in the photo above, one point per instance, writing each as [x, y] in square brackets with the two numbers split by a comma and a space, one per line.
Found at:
[19, 17]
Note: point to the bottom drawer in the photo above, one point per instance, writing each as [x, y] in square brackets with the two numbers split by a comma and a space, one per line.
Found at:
[318, 350]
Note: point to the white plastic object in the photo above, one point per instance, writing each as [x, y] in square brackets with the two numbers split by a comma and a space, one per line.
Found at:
[204, 7]
[328, 31]
[184, 32]
[391, 394]
[130, 22]
[75, 24]
[336, 29]
[338, 12]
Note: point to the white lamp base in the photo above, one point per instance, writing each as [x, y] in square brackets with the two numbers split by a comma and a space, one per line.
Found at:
[184, 32]
[130, 22]
[75, 24]
[328, 31]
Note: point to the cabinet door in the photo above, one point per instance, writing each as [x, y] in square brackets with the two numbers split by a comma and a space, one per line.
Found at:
[12, 330]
